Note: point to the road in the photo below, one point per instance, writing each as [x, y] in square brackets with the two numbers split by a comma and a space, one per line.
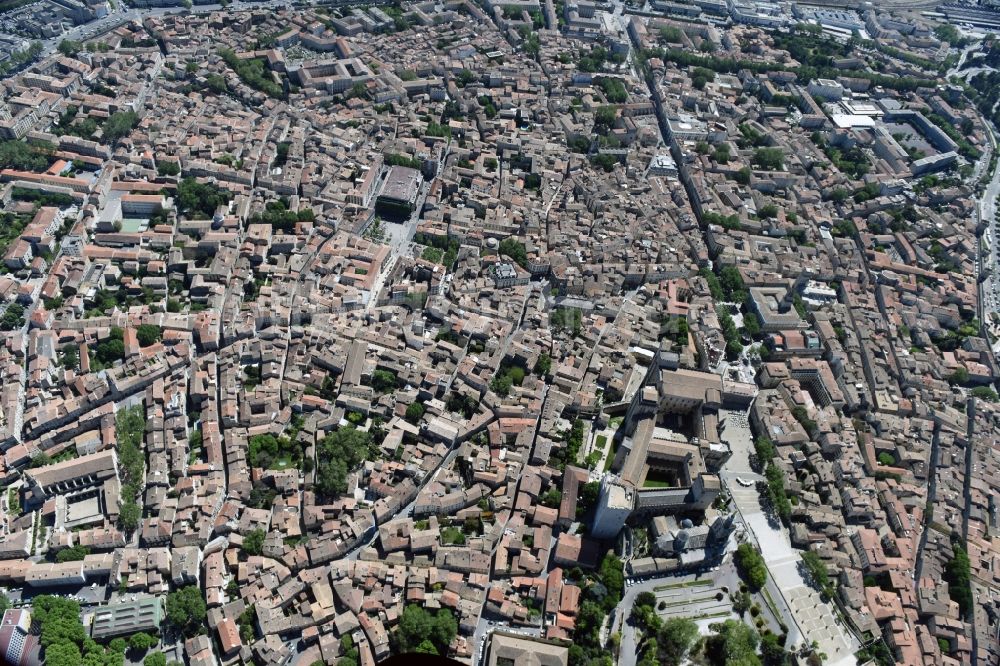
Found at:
[990, 255]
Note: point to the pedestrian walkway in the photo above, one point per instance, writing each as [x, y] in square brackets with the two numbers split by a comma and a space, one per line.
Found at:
[814, 620]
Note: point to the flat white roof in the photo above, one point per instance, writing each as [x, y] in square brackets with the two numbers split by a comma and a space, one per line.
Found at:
[843, 120]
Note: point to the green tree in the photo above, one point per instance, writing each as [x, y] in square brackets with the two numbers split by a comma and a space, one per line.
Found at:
[770, 159]
[384, 381]
[199, 200]
[148, 334]
[414, 412]
[612, 576]
[69, 48]
[165, 168]
[551, 498]
[59, 619]
[110, 351]
[155, 659]
[426, 647]
[985, 393]
[734, 643]
[339, 453]
[816, 567]
[958, 573]
[751, 566]
[675, 639]
[142, 641]
[418, 625]
[543, 366]
[63, 654]
[772, 651]
[119, 125]
[129, 516]
[13, 317]
[186, 609]
[72, 554]
[253, 542]
[515, 250]
[501, 384]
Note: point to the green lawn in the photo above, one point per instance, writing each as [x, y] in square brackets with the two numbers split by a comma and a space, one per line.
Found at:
[656, 483]
[611, 456]
[690, 583]
[282, 462]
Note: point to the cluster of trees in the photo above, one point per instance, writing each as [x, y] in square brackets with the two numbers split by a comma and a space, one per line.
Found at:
[13, 317]
[448, 246]
[489, 109]
[277, 215]
[730, 222]
[186, 610]
[506, 377]
[594, 61]
[958, 573]
[601, 593]
[66, 642]
[775, 494]
[514, 249]
[35, 156]
[119, 125]
[668, 642]
[384, 381]
[676, 329]
[165, 168]
[605, 161]
[421, 631]
[254, 73]
[733, 345]
[265, 450]
[613, 89]
[148, 334]
[566, 455]
[396, 159]
[551, 498]
[851, 161]
[112, 348]
[816, 568]
[69, 356]
[18, 58]
[671, 34]
[769, 159]
[764, 451]
[253, 542]
[727, 286]
[801, 415]
[338, 454]
[200, 200]
[462, 404]
[72, 554]
[751, 566]
[566, 319]
[130, 428]
[732, 643]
